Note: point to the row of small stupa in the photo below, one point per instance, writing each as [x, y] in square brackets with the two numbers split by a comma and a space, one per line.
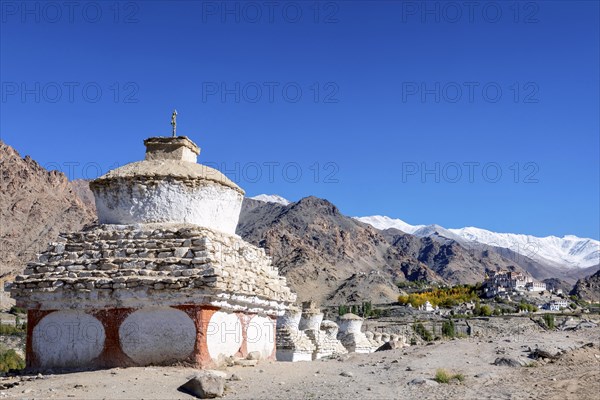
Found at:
[163, 278]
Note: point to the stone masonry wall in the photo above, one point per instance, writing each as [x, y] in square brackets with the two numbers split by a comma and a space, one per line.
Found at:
[150, 259]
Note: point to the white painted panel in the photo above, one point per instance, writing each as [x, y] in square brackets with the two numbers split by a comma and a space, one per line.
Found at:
[223, 335]
[68, 339]
[260, 335]
[157, 335]
[291, 356]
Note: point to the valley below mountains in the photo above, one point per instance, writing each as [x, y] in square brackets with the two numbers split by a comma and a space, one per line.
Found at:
[333, 258]
[326, 256]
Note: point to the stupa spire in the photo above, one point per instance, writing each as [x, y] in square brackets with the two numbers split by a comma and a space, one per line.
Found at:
[174, 122]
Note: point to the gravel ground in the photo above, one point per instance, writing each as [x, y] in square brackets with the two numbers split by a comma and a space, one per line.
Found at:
[382, 375]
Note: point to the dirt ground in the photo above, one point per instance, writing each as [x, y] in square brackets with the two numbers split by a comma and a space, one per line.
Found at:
[381, 375]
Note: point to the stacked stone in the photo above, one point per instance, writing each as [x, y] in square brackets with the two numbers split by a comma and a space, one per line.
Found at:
[292, 343]
[327, 343]
[378, 339]
[400, 339]
[351, 336]
[108, 261]
[322, 333]
[371, 338]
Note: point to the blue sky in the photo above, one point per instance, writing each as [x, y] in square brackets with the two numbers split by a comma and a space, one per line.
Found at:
[485, 116]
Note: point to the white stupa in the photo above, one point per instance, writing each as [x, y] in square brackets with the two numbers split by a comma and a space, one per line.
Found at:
[162, 278]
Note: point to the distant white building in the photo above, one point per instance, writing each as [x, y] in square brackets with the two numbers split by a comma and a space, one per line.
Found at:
[426, 307]
[534, 286]
[503, 282]
[556, 305]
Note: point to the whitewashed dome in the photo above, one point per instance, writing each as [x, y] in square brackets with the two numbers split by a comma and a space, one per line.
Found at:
[169, 186]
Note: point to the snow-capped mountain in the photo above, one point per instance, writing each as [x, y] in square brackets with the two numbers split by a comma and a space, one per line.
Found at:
[271, 198]
[566, 252]
[569, 251]
[382, 222]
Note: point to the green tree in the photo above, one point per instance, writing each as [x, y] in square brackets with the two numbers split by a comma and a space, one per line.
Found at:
[10, 360]
[420, 330]
[448, 328]
[486, 310]
[367, 309]
[549, 320]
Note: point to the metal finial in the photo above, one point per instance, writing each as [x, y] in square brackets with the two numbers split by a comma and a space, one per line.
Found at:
[174, 122]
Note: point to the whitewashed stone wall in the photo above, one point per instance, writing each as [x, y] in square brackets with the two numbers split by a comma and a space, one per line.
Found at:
[210, 205]
[158, 265]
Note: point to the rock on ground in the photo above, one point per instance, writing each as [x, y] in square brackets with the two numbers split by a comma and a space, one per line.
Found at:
[389, 346]
[509, 362]
[423, 381]
[205, 385]
[253, 355]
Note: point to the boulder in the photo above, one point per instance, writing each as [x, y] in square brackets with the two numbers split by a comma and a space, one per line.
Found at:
[544, 353]
[246, 363]
[222, 374]
[423, 381]
[586, 325]
[253, 355]
[509, 362]
[204, 385]
[389, 346]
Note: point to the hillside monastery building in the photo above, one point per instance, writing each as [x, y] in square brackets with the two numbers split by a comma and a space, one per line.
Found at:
[501, 283]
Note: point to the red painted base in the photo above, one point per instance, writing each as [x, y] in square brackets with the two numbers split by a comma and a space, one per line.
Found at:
[112, 354]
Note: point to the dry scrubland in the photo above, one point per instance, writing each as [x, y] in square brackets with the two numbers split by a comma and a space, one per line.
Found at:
[400, 374]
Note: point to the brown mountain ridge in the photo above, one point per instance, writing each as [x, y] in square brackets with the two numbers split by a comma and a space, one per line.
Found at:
[35, 206]
[326, 256]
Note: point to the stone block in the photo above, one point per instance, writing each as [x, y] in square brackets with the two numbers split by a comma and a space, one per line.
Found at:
[204, 385]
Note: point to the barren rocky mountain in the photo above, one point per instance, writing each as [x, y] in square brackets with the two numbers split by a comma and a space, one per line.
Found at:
[542, 271]
[555, 283]
[81, 188]
[35, 205]
[326, 256]
[448, 258]
[588, 288]
[333, 258]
